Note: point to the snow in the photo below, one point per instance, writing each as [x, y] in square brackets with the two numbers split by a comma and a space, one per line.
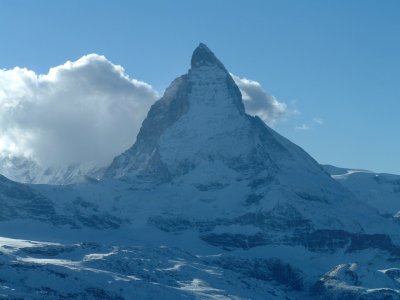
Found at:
[9, 246]
[147, 272]
[26, 170]
[379, 190]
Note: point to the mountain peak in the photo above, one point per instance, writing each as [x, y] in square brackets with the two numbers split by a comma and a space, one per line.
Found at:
[203, 56]
[200, 125]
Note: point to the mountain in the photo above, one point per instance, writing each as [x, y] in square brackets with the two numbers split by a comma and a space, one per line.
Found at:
[27, 170]
[198, 135]
[379, 190]
[209, 203]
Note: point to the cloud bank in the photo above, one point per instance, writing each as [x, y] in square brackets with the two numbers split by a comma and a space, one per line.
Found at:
[258, 102]
[88, 110]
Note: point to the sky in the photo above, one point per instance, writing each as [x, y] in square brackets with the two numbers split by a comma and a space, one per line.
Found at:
[330, 68]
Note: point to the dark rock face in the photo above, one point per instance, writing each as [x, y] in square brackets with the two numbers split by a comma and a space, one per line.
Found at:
[287, 222]
[98, 221]
[265, 269]
[281, 218]
[171, 224]
[332, 240]
[18, 201]
[202, 56]
[53, 250]
[229, 240]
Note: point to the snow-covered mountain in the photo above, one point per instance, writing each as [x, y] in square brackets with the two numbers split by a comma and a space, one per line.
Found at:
[209, 203]
[27, 170]
[199, 136]
[379, 190]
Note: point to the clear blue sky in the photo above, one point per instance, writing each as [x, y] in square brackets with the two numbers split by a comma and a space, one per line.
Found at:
[337, 60]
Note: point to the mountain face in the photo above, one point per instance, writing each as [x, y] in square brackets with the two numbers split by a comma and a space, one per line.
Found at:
[209, 203]
[201, 120]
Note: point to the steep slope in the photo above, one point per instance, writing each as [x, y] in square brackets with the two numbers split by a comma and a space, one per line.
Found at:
[18, 201]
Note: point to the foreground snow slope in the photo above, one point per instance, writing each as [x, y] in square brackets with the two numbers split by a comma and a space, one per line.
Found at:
[209, 203]
[93, 271]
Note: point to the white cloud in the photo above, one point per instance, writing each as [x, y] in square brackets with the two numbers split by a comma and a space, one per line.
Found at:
[303, 127]
[258, 102]
[316, 121]
[86, 110]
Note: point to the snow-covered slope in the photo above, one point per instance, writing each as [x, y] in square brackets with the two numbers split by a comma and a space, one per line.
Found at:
[19, 201]
[209, 203]
[95, 271]
[380, 190]
[26, 170]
